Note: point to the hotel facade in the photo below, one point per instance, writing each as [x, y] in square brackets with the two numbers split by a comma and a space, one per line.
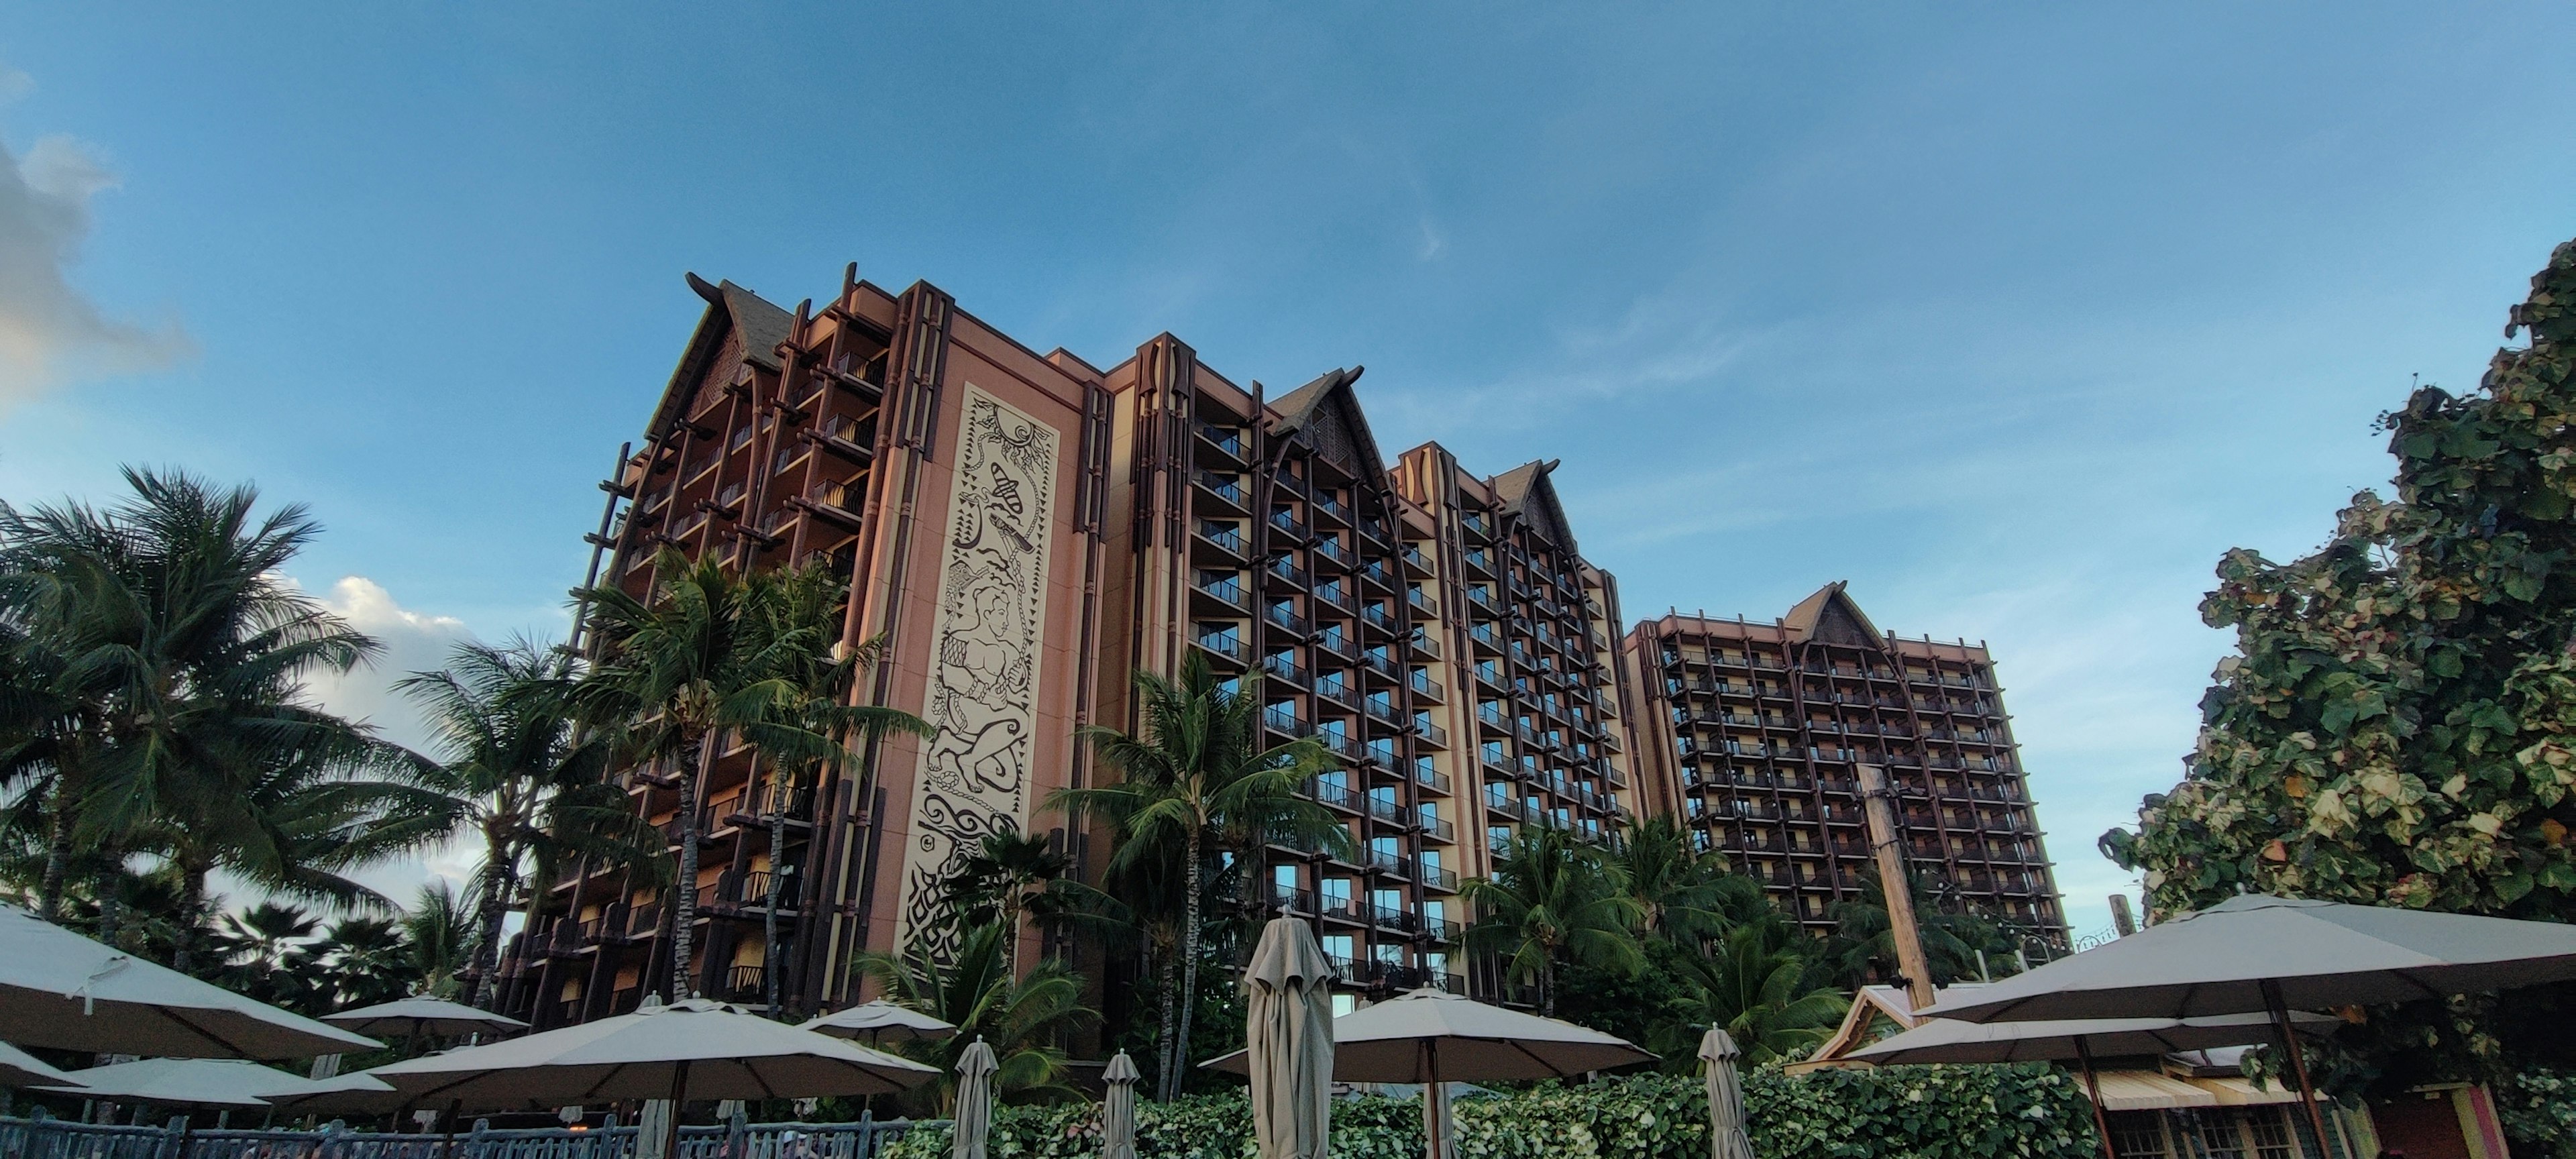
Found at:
[1022, 533]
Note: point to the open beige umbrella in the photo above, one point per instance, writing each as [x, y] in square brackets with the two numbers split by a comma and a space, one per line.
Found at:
[1118, 1109]
[1726, 1137]
[879, 1021]
[1433, 1037]
[2275, 955]
[693, 1049]
[1943, 1040]
[61, 990]
[1288, 1032]
[417, 1017]
[974, 1116]
[21, 1069]
[184, 1082]
[356, 1093]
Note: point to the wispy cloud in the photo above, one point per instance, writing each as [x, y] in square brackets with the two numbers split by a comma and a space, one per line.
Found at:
[51, 332]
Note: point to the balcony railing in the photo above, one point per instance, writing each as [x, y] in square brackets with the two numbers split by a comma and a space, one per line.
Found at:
[1226, 589]
[1230, 442]
[1221, 535]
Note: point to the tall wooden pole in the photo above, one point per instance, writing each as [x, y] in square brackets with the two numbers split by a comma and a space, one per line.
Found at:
[1901, 928]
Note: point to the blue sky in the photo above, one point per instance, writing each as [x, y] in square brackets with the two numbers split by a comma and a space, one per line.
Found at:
[2014, 316]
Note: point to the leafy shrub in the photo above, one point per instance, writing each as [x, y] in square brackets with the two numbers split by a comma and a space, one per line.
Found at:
[2539, 1112]
[2028, 1112]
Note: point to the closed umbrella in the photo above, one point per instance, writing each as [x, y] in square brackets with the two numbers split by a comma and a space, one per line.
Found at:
[418, 1017]
[974, 1115]
[693, 1049]
[1288, 1032]
[879, 1021]
[185, 1082]
[1726, 1137]
[1118, 1109]
[1943, 1040]
[20, 1069]
[2273, 955]
[61, 990]
[1433, 1037]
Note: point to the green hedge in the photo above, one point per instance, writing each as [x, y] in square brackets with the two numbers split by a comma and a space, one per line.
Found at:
[2538, 1109]
[2033, 1112]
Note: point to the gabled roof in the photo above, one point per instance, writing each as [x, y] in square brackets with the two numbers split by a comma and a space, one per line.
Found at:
[1526, 491]
[731, 310]
[1831, 616]
[1328, 412]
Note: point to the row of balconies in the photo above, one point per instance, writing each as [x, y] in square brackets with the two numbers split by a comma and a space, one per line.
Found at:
[1336, 907]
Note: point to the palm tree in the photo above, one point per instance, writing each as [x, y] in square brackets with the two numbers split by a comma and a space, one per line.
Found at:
[531, 785]
[1021, 1018]
[361, 961]
[1683, 894]
[177, 722]
[255, 950]
[1863, 946]
[1553, 898]
[1199, 774]
[704, 657]
[1752, 987]
[1006, 876]
[436, 933]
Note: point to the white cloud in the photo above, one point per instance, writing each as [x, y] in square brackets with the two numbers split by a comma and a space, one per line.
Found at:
[50, 332]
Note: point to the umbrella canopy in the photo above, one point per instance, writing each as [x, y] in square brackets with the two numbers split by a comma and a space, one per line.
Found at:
[357, 1093]
[1476, 1042]
[59, 989]
[1288, 1032]
[185, 1082]
[1726, 1137]
[879, 1021]
[20, 1069]
[1118, 1109]
[974, 1101]
[693, 1049]
[417, 1016]
[2312, 954]
[1949, 1040]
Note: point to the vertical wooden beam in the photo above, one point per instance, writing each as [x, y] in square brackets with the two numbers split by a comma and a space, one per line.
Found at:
[1901, 927]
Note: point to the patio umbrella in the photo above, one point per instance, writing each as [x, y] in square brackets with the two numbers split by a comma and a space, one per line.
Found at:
[356, 1093]
[1118, 1109]
[1726, 1138]
[1943, 1040]
[61, 990]
[877, 1021]
[1288, 1032]
[2271, 954]
[184, 1082]
[419, 1016]
[692, 1049]
[21, 1069]
[1433, 1037]
[974, 1101]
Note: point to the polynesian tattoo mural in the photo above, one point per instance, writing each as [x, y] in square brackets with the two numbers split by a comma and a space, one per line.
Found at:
[976, 774]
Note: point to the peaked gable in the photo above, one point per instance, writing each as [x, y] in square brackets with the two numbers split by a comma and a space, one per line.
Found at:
[1526, 491]
[738, 323]
[1327, 412]
[1830, 616]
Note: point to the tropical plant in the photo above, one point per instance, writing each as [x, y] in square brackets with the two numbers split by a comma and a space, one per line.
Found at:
[1195, 781]
[1021, 1018]
[253, 951]
[1752, 985]
[1683, 893]
[703, 657]
[437, 933]
[158, 698]
[1553, 899]
[1958, 943]
[1007, 876]
[531, 785]
[2397, 724]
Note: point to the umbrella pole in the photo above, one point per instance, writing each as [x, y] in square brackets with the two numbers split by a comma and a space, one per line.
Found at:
[2093, 1089]
[671, 1130]
[1432, 1127]
[447, 1147]
[2280, 1011]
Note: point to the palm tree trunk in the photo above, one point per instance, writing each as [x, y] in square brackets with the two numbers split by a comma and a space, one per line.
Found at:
[192, 901]
[777, 878]
[1547, 988]
[58, 857]
[684, 902]
[1171, 1019]
[110, 906]
[499, 884]
[1189, 965]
